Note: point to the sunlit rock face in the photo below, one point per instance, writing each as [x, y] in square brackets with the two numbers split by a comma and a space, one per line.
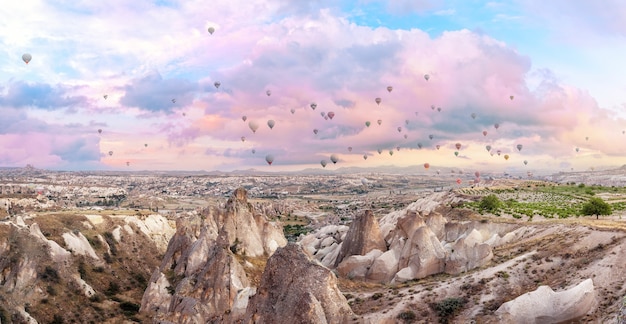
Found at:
[296, 289]
[547, 306]
[363, 236]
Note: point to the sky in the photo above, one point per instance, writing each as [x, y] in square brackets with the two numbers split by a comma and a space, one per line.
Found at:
[550, 74]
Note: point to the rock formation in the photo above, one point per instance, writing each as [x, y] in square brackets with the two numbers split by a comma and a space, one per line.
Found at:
[363, 236]
[546, 306]
[296, 289]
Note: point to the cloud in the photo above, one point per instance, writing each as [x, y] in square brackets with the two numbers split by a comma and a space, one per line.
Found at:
[153, 93]
[40, 95]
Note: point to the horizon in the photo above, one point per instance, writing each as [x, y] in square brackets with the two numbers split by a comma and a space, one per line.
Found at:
[165, 85]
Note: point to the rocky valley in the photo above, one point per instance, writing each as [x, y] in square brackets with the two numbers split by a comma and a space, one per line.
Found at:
[431, 259]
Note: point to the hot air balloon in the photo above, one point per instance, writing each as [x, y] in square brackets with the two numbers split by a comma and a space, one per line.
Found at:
[506, 157]
[426, 76]
[458, 146]
[488, 148]
[380, 151]
[473, 115]
[145, 145]
[399, 129]
[349, 148]
[496, 125]
[253, 126]
[26, 58]
[363, 181]
[406, 136]
[110, 153]
[390, 152]
[364, 156]
[438, 172]
[389, 88]
[367, 124]
[484, 133]
[624, 132]
[127, 163]
[431, 136]
[243, 138]
[432, 107]
[438, 146]
[271, 123]
[268, 93]
[322, 114]
[426, 166]
[315, 131]
[397, 148]
[406, 121]
[439, 109]
[313, 105]
[217, 84]
[458, 181]
[211, 30]
[456, 153]
[331, 114]
[380, 121]
[244, 118]
[587, 138]
[511, 97]
[378, 100]
[184, 114]
[477, 174]
[253, 151]
[334, 158]
[323, 163]
[105, 97]
[519, 147]
[577, 149]
[293, 111]
[269, 159]
[173, 100]
[99, 131]
[419, 145]
[498, 151]
[525, 162]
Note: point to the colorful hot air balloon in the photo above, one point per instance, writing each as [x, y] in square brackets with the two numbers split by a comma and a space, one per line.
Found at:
[331, 114]
[439, 109]
[110, 153]
[253, 151]
[268, 93]
[313, 105]
[519, 147]
[525, 162]
[484, 133]
[99, 131]
[211, 30]
[438, 146]
[511, 97]
[432, 107]
[496, 125]
[105, 97]
[399, 129]
[243, 138]
[419, 145]
[244, 118]
[26, 58]
[334, 158]
[456, 153]
[390, 152]
[506, 157]
[458, 146]
[477, 174]
[364, 156]
[426, 166]
[217, 84]
[173, 100]
[378, 100]
[458, 181]
[293, 111]
[577, 149]
[322, 114]
[389, 88]
[315, 131]
[397, 148]
[431, 136]
[269, 159]
[379, 151]
[349, 148]
[323, 163]
[271, 123]
[380, 121]
[426, 76]
[406, 136]
[498, 152]
[367, 123]
[253, 126]
[488, 148]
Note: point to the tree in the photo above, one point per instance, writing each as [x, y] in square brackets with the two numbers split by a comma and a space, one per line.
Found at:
[596, 206]
[489, 203]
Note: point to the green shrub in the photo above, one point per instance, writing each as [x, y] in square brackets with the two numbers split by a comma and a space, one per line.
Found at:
[596, 206]
[407, 316]
[490, 203]
[448, 307]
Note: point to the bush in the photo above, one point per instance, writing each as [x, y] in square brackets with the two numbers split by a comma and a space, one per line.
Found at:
[490, 203]
[448, 307]
[596, 206]
[407, 316]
